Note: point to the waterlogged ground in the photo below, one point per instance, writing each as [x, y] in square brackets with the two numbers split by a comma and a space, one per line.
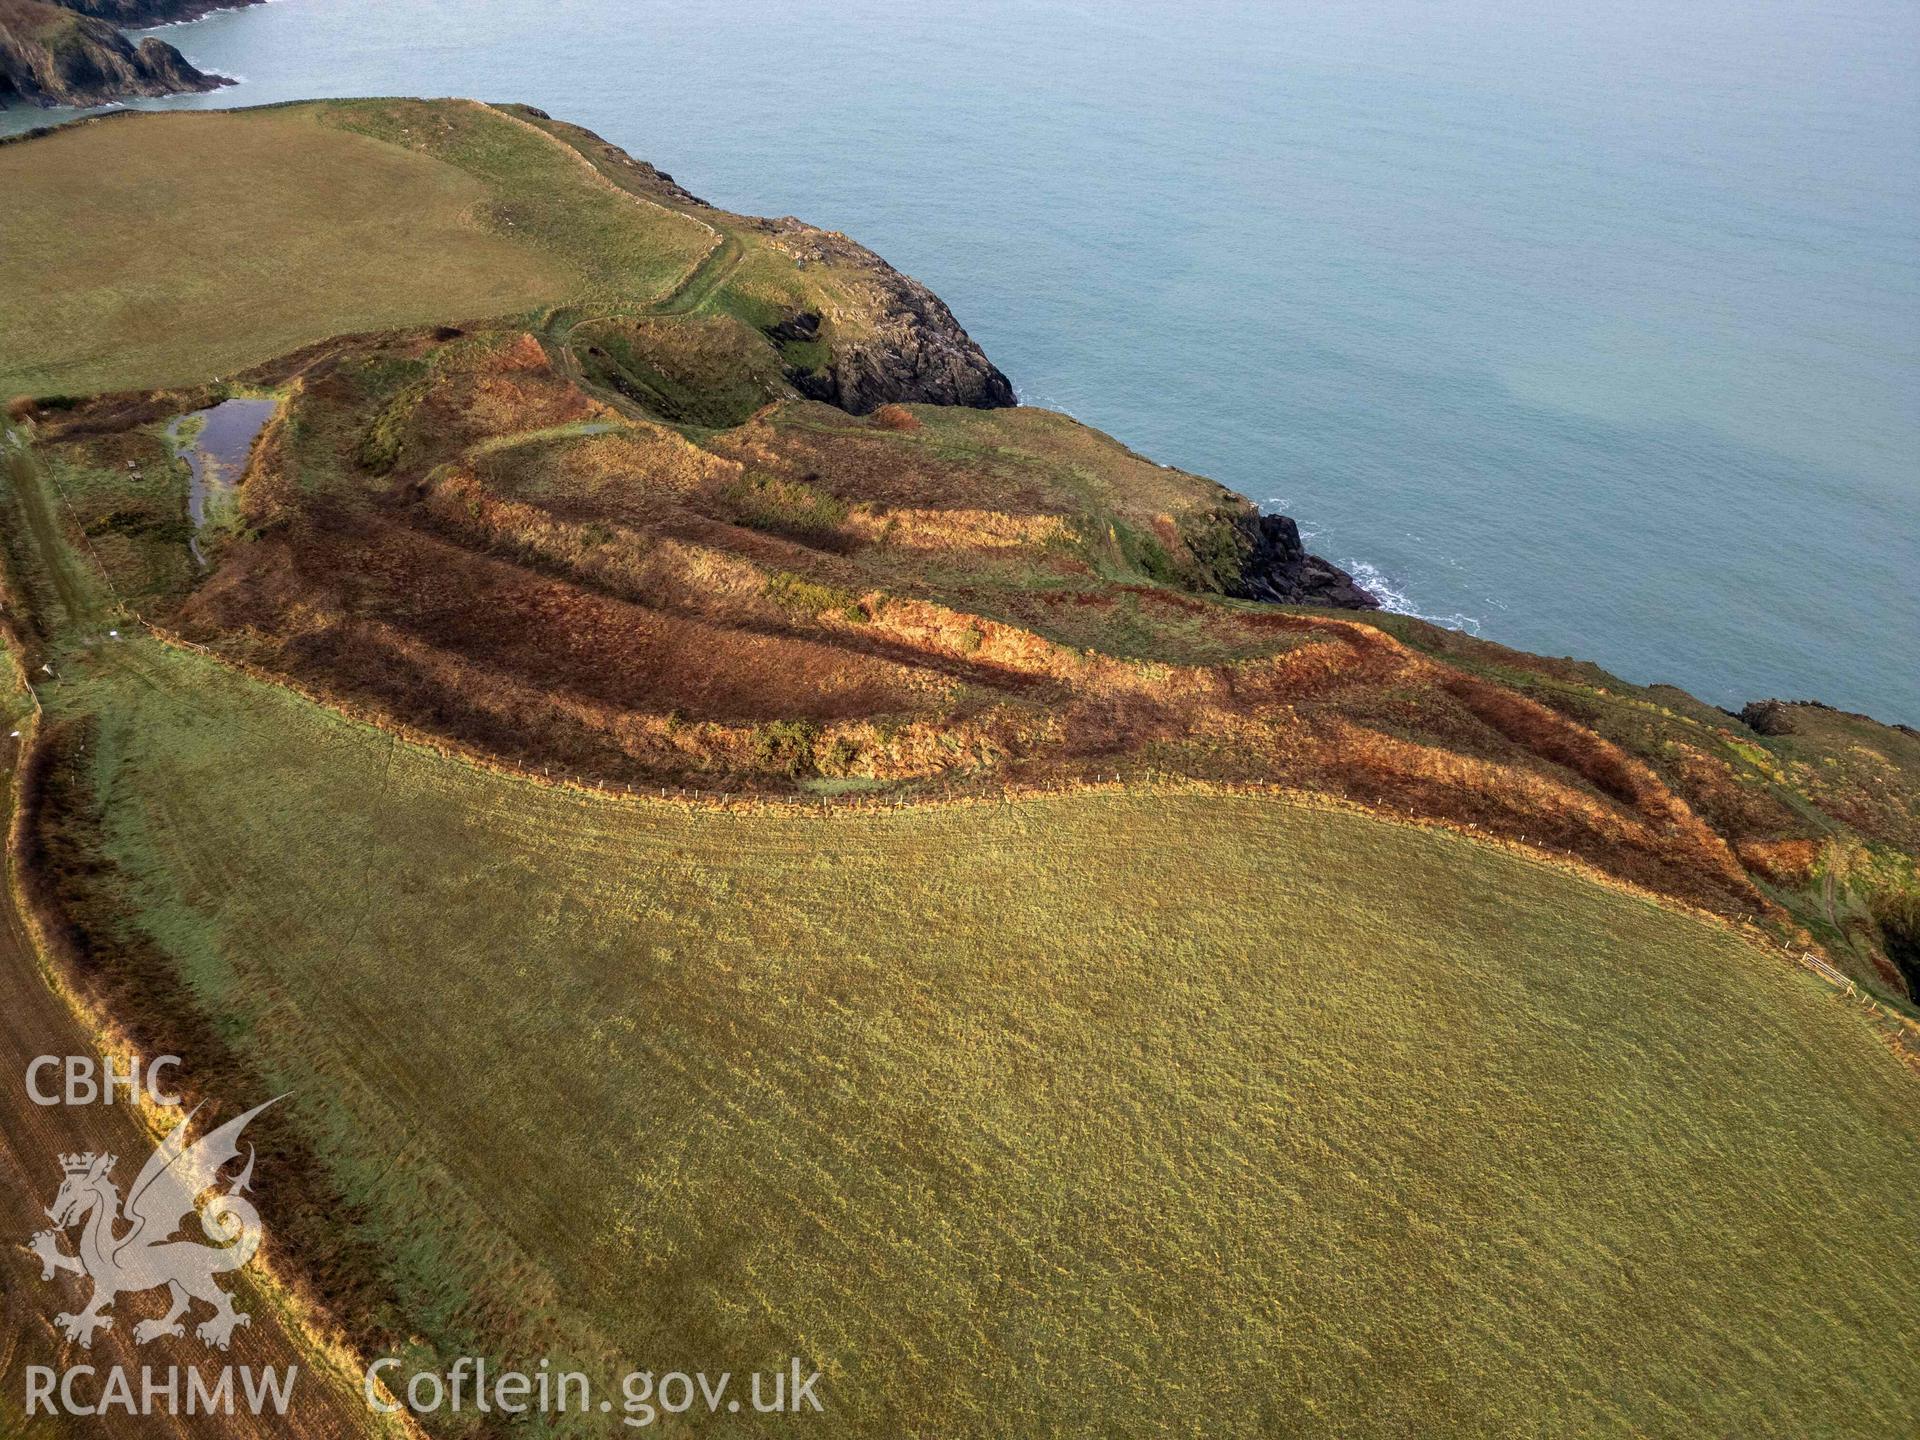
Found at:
[215, 443]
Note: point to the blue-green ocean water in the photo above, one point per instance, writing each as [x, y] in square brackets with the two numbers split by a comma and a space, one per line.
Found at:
[1595, 329]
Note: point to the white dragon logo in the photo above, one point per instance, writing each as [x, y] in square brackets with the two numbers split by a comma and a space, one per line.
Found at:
[147, 1256]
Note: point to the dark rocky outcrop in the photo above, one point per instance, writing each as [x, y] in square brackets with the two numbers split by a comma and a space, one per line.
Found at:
[1768, 717]
[140, 14]
[1774, 718]
[905, 348]
[50, 55]
[1276, 566]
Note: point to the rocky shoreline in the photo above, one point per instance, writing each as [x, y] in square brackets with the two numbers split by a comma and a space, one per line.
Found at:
[1279, 568]
[917, 352]
[72, 54]
[144, 14]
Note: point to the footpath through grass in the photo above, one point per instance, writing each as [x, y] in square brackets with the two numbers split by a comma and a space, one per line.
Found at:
[1095, 1115]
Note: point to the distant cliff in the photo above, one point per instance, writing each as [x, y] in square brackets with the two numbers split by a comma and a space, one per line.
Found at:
[58, 55]
[138, 14]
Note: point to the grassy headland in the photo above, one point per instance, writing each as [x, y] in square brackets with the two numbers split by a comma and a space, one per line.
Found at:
[155, 250]
[1097, 1111]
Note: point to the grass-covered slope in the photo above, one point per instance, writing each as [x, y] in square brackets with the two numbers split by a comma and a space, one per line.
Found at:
[1062, 1111]
[165, 249]
[1088, 1114]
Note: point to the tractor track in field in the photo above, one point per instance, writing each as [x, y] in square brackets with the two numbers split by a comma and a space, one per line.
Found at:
[43, 529]
[46, 1014]
[39, 1020]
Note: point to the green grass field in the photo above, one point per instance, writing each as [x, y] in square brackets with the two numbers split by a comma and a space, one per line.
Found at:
[165, 249]
[1090, 1115]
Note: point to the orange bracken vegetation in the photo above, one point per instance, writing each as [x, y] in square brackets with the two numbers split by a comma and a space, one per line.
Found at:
[447, 530]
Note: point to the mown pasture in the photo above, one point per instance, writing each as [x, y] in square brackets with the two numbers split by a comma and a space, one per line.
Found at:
[1102, 1113]
[166, 249]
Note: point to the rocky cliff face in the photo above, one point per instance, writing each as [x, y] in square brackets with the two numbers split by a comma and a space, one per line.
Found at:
[1278, 567]
[50, 55]
[921, 356]
[139, 14]
[904, 346]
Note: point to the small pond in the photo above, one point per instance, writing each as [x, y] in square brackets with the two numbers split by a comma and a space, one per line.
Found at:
[216, 450]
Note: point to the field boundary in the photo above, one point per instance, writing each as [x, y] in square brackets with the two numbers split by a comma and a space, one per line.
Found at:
[1903, 1040]
[304, 1318]
[319, 1338]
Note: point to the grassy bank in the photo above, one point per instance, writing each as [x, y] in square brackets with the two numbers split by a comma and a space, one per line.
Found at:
[1098, 1114]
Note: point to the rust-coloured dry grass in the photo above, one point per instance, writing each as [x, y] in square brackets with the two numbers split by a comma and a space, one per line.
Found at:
[448, 531]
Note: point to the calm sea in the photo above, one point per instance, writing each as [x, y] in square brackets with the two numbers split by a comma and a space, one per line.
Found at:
[1591, 328]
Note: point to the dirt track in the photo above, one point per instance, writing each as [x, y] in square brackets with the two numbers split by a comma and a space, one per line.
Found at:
[38, 1020]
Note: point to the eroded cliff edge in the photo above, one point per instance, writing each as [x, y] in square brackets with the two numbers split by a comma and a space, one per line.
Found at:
[889, 339]
[914, 350]
[56, 55]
